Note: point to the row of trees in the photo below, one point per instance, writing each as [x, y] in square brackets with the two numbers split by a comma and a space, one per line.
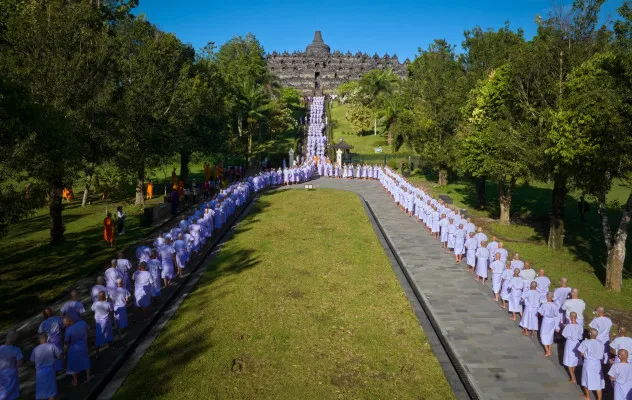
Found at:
[87, 88]
[554, 108]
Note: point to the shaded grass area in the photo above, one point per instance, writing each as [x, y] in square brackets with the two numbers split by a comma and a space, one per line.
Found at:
[583, 259]
[34, 273]
[363, 145]
[299, 304]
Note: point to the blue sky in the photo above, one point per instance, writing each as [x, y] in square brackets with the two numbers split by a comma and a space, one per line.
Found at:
[399, 27]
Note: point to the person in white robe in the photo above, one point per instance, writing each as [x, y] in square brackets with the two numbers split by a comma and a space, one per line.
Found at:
[10, 359]
[503, 252]
[516, 262]
[592, 374]
[459, 241]
[45, 356]
[531, 299]
[528, 274]
[143, 283]
[603, 325]
[515, 294]
[573, 333]
[480, 236]
[544, 283]
[443, 227]
[96, 289]
[73, 308]
[53, 327]
[621, 341]
[504, 290]
[560, 295]
[103, 312]
[120, 298]
[482, 260]
[575, 304]
[497, 267]
[111, 276]
[621, 376]
[123, 265]
[471, 245]
[492, 246]
[548, 311]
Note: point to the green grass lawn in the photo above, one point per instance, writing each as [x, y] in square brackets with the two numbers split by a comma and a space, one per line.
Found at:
[584, 257]
[299, 304]
[364, 145]
[34, 273]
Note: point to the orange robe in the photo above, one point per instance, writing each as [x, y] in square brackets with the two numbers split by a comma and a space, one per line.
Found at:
[150, 190]
[108, 229]
[66, 194]
[174, 180]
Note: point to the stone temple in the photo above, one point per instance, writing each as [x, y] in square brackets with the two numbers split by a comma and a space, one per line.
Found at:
[317, 70]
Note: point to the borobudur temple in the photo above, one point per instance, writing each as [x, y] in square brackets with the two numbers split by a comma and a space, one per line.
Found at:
[317, 70]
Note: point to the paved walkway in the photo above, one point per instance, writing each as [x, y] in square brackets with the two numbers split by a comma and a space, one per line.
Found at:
[500, 362]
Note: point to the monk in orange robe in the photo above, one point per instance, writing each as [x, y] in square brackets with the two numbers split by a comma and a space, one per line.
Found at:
[108, 229]
[174, 179]
[150, 190]
[66, 194]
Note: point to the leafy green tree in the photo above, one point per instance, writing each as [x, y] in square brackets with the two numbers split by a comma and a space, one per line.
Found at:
[60, 52]
[155, 81]
[484, 51]
[360, 117]
[497, 141]
[434, 93]
[374, 87]
[252, 87]
[347, 90]
[564, 41]
[592, 135]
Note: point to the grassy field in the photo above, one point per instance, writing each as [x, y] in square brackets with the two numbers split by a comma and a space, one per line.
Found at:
[362, 144]
[33, 273]
[583, 259]
[299, 304]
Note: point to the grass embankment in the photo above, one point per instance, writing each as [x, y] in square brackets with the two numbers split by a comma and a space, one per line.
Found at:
[583, 259]
[299, 304]
[363, 145]
[34, 273]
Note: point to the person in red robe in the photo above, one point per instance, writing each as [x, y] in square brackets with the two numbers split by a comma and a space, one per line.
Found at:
[108, 229]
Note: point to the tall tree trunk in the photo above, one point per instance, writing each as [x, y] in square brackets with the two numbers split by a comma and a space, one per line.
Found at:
[249, 150]
[615, 243]
[443, 177]
[55, 209]
[185, 157]
[140, 186]
[556, 230]
[481, 198]
[87, 185]
[240, 126]
[505, 193]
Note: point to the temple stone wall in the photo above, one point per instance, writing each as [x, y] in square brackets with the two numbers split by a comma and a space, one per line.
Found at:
[318, 70]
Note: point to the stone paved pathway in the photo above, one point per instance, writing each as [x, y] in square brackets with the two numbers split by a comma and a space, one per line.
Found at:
[501, 363]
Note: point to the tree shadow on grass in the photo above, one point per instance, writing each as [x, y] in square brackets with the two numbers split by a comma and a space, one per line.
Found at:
[168, 355]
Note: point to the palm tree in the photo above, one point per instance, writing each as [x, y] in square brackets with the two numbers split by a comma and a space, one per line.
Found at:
[374, 86]
[254, 103]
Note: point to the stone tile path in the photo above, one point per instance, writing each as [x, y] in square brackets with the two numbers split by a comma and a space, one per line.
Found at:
[499, 361]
